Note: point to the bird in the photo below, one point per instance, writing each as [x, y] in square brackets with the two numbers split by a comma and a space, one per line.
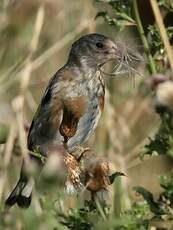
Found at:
[71, 106]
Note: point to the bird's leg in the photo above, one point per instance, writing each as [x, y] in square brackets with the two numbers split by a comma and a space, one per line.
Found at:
[65, 142]
[83, 151]
[79, 152]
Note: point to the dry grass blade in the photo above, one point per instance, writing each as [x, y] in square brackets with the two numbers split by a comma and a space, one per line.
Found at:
[5, 76]
[127, 61]
[7, 156]
[163, 33]
[60, 44]
[49, 52]
[18, 102]
[33, 46]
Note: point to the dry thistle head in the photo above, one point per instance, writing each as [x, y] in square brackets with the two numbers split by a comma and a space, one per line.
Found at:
[154, 80]
[163, 87]
[97, 176]
[73, 182]
[126, 61]
[93, 175]
[54, 169]
[164, 95]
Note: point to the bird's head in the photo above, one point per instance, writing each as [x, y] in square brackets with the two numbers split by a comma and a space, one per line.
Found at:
[93, 50]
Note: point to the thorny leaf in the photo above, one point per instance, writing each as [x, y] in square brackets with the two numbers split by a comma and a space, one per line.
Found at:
[162, 142]
[166, 183]
[122, 9]
[114, 176]
[148, 196]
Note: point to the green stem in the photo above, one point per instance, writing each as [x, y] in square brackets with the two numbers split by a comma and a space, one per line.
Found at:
[152, 67]
[4, 130]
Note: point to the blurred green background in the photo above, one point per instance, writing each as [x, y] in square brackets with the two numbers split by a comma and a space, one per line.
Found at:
[35, 37]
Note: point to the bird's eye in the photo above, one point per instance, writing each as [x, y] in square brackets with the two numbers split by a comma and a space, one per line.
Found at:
[99, 45]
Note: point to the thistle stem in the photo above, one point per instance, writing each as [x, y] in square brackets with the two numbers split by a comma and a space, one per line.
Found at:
[152, 67]
[163, 32]
[4, 131]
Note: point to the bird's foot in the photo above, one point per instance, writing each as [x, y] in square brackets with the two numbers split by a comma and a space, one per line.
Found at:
[83, 151]
[79, 152]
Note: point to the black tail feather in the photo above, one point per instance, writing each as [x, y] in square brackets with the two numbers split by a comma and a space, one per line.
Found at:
[12, 199]
[23, 202]
[18, 196]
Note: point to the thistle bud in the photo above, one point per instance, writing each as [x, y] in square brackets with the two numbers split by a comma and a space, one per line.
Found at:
[54, 168]
[164, 96]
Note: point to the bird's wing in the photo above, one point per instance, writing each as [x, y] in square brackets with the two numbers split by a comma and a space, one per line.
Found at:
[44, 124]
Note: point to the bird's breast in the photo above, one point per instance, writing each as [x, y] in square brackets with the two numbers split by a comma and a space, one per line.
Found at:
[96, 90]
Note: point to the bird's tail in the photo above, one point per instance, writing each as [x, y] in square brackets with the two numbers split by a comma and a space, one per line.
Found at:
[21, 194]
